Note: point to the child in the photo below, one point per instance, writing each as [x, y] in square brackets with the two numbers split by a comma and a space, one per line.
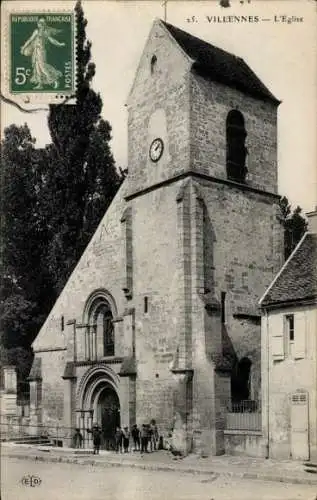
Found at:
[126, 439]
[96, 437]
[153, 435]
[118, 439]
[78, 438]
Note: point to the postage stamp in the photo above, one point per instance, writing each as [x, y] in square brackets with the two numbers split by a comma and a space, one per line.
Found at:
[39, 56]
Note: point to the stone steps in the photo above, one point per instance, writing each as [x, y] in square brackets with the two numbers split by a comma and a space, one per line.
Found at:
[310, 467]
[31, 440]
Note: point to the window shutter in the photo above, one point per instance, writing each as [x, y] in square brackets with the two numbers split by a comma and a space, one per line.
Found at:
[300, 335]
[277, 337]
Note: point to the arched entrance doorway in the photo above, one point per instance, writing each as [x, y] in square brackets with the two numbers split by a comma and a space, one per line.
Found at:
[98, 402]
[108, 411]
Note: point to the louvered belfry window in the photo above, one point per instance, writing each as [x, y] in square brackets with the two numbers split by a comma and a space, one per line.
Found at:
[236, 150]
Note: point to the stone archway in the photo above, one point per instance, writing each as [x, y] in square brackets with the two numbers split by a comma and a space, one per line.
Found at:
[98, 402]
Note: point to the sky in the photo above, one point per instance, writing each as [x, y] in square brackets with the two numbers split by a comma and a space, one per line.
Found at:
[282, 54]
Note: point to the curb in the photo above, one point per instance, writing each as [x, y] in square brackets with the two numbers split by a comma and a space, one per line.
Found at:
[169, 468]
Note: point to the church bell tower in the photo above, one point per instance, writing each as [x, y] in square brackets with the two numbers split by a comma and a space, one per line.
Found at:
[202, 160]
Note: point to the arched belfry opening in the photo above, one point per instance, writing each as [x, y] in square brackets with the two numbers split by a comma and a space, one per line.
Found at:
[235, 146]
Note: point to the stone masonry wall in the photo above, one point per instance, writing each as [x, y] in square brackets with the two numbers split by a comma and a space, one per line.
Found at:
[155, 277]
[159, 107]
[99, 267]
[245, 260]
[210, 104]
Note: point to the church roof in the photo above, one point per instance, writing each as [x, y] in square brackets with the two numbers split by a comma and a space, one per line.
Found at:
[297, 280]
[219, 65]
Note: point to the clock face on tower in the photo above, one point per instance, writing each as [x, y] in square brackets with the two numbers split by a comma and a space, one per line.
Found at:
[156, 149]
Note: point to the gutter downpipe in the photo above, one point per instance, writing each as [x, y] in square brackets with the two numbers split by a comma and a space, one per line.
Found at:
[268, 384]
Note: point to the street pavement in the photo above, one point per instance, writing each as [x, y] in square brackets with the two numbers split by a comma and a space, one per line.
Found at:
[52, 481]
[235, 466]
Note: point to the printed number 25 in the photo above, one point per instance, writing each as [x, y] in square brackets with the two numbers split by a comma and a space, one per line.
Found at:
[20, 75]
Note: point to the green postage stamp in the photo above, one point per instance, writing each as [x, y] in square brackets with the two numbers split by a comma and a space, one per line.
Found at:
[40, 56]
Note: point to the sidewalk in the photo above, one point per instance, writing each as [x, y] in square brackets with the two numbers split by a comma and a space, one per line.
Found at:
[242, 467]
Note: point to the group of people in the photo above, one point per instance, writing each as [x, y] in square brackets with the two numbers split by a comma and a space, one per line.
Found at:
[143, 438]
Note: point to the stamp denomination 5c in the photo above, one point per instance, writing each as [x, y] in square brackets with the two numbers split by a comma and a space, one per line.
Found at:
[40, 56]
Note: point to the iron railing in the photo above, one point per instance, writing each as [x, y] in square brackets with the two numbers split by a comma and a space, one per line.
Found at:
[243, 416]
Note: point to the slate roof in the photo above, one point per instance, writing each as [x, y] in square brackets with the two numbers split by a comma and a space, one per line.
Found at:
[297, 279]
[219, 65]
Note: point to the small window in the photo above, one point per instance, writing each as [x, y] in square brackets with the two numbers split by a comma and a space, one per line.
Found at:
[223, 307]
[62, 323]
[153, 64]
[146, 304]
[290, 327]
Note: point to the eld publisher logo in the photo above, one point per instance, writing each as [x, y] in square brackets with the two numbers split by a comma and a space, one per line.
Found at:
[31, 481]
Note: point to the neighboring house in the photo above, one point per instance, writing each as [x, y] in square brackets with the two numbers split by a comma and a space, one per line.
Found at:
[289, 354]
[160, 317]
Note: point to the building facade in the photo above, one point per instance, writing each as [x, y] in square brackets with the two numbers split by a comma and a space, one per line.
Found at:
[289, 355]
[160, 317]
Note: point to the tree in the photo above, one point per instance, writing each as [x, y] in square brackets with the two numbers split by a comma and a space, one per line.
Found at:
[81, 178]
[294, 225]
[24, 286]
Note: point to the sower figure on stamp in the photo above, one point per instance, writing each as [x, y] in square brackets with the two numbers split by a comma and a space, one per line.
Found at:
[96, 438]
[35, 47]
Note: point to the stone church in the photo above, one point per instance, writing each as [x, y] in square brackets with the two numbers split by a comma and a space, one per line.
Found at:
[160, 317]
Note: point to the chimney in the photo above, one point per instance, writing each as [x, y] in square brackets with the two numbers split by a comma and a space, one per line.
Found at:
[312, 221]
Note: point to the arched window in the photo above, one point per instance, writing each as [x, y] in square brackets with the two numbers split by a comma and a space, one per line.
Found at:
[153, 64]
[240, 381]
[104, 320]
[98, 323]
[236, 150]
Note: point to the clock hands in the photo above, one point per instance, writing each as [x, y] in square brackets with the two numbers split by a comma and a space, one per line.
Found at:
[156, 149]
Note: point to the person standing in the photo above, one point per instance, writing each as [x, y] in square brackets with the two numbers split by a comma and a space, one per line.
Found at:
[78, 438]
[135, 433]
[153, 435]
[144, 438]
[126, 439]
[96, 438]
[118, 439]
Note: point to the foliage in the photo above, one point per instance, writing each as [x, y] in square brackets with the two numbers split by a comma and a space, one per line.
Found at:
[24, 287]
[294, 225]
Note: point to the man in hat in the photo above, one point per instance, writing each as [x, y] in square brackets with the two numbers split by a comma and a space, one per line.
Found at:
[96, 437]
